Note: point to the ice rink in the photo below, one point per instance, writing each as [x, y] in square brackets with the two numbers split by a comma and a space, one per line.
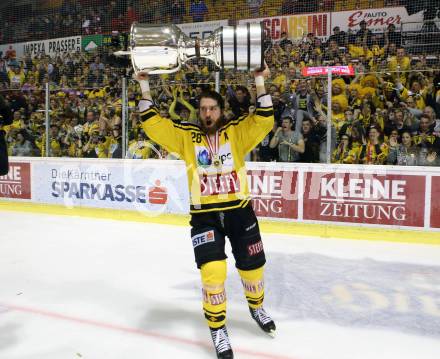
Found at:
[74, 288]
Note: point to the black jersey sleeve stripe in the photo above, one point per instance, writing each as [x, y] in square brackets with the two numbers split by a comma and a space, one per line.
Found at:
[264, 113]
[148, 114]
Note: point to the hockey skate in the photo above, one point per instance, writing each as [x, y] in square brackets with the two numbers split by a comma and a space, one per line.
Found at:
[221, 342]
[263, 320]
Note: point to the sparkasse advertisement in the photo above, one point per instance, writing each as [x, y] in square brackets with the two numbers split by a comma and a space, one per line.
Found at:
[140, 186]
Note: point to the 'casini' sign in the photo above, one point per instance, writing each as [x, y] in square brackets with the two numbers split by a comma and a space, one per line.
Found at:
[296, 26]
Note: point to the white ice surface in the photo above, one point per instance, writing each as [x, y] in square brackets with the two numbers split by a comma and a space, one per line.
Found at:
[100, 289]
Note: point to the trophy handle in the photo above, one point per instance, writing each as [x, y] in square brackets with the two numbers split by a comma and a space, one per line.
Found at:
[158, 72]
[152, 72]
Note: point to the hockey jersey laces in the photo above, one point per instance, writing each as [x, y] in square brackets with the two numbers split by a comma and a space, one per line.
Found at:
[221, 340]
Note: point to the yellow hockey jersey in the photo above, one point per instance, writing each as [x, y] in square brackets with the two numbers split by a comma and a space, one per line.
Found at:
[212, 188]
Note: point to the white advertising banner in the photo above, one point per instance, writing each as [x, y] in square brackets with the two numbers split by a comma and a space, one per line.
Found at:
[377, 19]
[296, 26]
[379, 196]
[201, 30]
[51, 47]
[145, 186]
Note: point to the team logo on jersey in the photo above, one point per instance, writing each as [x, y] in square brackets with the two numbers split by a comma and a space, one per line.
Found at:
[204, 158]
[203, 238]
[224, 155]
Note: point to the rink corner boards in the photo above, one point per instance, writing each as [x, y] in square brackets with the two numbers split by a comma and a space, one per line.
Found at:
[361, 232]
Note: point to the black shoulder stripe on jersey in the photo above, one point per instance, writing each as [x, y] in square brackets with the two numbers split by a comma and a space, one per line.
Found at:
[237, 120]
[233, 122]
[187, 127]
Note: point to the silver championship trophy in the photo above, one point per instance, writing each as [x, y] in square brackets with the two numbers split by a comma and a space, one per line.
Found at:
[161, 49]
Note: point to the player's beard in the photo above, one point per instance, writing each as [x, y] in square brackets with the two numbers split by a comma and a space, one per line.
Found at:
[213, 129]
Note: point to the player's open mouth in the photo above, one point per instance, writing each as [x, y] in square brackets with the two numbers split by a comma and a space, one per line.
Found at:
[208, 123]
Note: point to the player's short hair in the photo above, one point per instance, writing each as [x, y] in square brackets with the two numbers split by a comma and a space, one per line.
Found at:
[215, 96]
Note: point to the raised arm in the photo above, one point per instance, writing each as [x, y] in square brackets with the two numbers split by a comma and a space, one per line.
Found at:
[161, 130]
[253, 128]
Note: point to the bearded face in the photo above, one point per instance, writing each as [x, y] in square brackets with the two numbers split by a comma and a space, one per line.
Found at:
[211, 115]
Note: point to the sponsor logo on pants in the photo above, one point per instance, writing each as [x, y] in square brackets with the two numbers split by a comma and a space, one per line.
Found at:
[203, 238]
[254, 249]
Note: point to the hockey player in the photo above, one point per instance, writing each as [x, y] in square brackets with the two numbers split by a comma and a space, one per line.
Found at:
[214, 154]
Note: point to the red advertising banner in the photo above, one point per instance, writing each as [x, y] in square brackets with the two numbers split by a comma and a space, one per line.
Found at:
[323, 70]
[274, 193]
[17, 183]
[435, 203]
[296, 26]
[365, 198]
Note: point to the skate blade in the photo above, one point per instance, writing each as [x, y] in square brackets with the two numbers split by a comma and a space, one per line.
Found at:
[271, 333]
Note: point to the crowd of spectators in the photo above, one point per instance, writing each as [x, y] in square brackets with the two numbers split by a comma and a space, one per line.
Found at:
[84, 17]
[94, 17]
[388, 113]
